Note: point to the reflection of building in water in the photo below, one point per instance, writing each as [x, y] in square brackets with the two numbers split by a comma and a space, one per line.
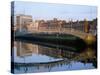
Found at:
[49, 51]
[55, 52]
[24, 49]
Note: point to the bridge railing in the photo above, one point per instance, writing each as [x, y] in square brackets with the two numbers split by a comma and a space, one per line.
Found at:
[72, 31]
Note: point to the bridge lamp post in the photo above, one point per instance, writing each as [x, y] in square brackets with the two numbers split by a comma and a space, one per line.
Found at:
[60, 27]
[71, 24]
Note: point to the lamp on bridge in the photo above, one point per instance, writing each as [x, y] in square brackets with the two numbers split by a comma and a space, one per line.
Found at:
[86, 26]
[90, 39]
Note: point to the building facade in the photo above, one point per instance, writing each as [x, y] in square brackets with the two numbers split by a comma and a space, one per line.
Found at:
[22, 21]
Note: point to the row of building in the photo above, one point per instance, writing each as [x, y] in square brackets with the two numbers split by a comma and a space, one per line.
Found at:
[26, 23]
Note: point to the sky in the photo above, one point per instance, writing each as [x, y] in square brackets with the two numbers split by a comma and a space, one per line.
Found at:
[48, 11]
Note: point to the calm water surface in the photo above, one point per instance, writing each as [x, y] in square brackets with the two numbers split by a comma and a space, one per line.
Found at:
[30, 58]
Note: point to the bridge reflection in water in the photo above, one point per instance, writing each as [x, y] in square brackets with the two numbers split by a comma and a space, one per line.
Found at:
[30, 57]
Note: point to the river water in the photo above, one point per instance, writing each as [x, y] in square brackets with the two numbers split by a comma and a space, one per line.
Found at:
[32, 57]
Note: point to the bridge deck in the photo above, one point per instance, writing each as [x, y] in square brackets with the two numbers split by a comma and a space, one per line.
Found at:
[74, 32]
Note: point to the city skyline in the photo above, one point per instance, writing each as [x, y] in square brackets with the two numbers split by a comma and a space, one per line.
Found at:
[47, 11]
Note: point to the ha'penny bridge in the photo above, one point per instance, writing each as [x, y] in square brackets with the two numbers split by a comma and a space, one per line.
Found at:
[71, 31]
[81, 34]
